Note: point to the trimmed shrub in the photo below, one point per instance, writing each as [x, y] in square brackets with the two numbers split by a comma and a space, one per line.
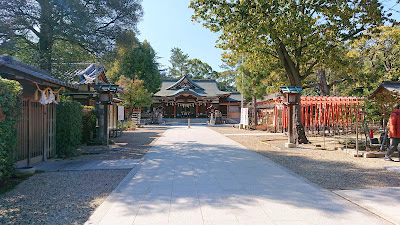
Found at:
[69, 127]
[10, 105]
[88, 124]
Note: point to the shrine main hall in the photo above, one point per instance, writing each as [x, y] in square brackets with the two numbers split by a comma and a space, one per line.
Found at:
[196, 98]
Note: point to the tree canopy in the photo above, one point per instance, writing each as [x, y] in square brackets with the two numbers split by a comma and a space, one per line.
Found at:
[40, 25]
[179, 63]
[135, 95]
[134, 58]
[298, 34]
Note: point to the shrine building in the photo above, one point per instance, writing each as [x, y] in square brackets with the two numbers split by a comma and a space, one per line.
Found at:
[196, 98]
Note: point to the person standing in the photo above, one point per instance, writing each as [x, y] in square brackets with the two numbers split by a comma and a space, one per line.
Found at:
[394, 133]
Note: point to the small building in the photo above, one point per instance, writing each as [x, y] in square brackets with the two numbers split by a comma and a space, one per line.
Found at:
[388, 89]
[90, 80]
[37, 127]
[386, 96]
[195, 98]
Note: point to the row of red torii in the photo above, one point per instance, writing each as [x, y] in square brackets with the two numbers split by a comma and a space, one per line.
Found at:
[322, 112]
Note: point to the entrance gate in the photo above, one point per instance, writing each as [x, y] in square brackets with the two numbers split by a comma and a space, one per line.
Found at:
[36, 133]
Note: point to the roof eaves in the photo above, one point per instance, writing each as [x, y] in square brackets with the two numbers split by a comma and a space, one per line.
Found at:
[182, 79]
[33, 71]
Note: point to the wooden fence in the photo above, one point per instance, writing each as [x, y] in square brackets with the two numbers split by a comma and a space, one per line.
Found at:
[317, 113]
[36, 133]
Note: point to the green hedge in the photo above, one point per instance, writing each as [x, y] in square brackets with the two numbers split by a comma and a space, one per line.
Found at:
[69, 127]
[10, 105]
[88, 124]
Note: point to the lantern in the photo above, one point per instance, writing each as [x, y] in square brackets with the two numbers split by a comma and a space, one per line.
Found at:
[292, 93]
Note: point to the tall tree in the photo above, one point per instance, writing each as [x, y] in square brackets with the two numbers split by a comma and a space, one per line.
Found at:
[135, 95]
[134, 58]
[93, 25]
[297, 33]
[251, 86]
[198, 69]
[179, 63]
[226, 78]
[375, 57]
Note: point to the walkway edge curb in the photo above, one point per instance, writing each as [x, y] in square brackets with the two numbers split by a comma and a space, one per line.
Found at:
[101, 211]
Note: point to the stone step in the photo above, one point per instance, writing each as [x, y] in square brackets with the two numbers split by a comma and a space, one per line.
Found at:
[185, 120]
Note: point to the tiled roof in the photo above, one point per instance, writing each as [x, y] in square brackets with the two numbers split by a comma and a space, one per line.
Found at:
[205, 88]
[10, 62]
[234, 97]
[88, 75]
[391, 86]
[185, 82]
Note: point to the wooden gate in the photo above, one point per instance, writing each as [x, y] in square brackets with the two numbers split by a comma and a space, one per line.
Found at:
[36, 133]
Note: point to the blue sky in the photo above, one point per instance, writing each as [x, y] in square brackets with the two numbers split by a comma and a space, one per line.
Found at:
[167, 24]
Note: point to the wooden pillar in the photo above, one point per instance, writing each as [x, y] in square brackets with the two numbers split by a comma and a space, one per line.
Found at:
[227, 110]
[163, 110]
[175, 110]
[275, 116]
[290, 124]
[197, 110]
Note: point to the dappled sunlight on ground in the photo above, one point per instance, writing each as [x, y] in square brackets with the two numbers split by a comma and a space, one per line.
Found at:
[334, 170]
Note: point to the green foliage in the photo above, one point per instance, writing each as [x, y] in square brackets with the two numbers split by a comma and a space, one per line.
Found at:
[199, 70]
[64, 58]
[250, 84]
[196, 69]
[129, 125]
[134, 95]
[179, 63]
[182, 65]
[374, 58]
[93, 25]
[10, 105]
[69, 127]
[88, 124]
[134, 58]
[298, 34]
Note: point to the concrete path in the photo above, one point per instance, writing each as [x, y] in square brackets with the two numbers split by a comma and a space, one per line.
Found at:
[198, 176]
[392, 168]
[256, 134]
[382, 201]
[64, 165]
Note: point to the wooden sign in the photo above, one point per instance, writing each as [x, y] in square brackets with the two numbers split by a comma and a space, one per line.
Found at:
[121, 111]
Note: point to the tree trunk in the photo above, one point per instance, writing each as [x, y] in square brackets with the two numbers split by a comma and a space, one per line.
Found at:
[46, 35]
[301, 137]
[255, 110]
[295, 80]
[323, 85]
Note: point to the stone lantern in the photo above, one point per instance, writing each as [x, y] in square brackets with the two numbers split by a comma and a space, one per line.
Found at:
[292, 98]
[105, 93]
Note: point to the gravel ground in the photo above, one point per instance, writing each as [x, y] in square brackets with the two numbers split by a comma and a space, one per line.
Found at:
[70, 197]
[334, 170]
[131, 145]
[58, 197]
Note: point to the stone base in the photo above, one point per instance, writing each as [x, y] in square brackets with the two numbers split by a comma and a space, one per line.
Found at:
[290, 145]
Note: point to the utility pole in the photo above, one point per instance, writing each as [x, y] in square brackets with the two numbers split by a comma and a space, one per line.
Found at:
[241, 100]
[241, 94]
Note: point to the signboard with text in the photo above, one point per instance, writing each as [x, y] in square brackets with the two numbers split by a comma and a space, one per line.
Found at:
[121, 112]
[244, 116]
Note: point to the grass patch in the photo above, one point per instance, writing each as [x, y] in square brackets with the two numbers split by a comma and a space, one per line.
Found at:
[11, 182]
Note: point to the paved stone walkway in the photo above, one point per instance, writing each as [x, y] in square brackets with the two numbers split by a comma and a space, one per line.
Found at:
[382, 201]
[198, 176]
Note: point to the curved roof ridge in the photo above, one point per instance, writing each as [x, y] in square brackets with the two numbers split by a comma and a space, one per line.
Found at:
[179, 82]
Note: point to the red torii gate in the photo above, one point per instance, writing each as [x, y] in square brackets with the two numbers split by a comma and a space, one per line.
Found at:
[321, 111]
